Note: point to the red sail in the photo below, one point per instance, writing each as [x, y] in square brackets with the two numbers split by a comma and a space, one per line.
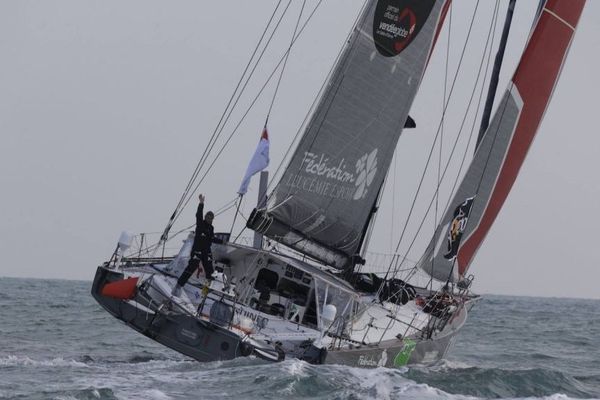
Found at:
[505, 143]
[535, 79]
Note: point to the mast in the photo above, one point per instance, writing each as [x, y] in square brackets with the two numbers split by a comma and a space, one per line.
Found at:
[262, 200]
[487, 111]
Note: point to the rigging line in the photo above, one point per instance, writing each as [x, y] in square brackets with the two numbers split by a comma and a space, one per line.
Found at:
[154, 246]
[356, 138]
[349, 55]
[393, 201]
[198, 166]
[218, 212]
[444, 101]
[438, 130]
[275, 93]
[487, 45]
[249, 77]
[490, 46]
[285, 62]
[230, 111]
[243, 228]
[479, 101]
[227, 206]
[214, 138]
[494, 78]
[189, 194]
[224, 208]
[500, 117]
[481, 178]
[317, 97]
[237, 211]
[369, 228]
[250, 106]
[444, 104]
[346, 52]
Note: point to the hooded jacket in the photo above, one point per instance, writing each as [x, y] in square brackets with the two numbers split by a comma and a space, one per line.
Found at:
[204, 233]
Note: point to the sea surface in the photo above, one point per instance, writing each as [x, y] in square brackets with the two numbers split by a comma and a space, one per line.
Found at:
[57, 343]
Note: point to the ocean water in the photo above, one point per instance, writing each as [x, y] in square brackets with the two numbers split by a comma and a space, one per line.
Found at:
[57, 343]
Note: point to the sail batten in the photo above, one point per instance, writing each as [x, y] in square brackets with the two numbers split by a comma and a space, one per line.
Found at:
[323, 202]
[505, 144]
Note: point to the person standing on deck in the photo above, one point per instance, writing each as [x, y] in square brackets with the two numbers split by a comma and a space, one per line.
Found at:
[201, 251]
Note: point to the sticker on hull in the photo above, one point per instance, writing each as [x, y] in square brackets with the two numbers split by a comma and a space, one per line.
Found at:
[403, 356]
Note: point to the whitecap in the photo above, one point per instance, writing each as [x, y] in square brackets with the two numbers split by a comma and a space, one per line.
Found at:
[154, 394]
[296, 368]
[451, 364]
[26, 361]
[555, 396]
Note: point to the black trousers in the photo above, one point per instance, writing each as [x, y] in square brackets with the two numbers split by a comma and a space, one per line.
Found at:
[193, 264]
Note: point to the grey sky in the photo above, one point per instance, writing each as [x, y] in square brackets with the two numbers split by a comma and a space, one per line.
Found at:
[105, 108]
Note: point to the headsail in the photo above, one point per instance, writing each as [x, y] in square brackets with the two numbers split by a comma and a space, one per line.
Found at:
[326, 195]
[504, 146]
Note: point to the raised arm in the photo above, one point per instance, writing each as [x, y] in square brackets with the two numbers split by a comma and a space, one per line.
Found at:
[200, 212]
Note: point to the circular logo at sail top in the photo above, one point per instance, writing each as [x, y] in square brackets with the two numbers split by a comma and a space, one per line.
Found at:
[397, 23]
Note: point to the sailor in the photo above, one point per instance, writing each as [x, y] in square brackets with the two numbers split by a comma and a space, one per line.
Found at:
[201, 251]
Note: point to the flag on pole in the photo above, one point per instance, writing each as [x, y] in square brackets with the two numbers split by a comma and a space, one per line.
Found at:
[259, 161]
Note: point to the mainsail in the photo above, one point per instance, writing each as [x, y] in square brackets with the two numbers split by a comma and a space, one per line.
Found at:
[326, 196]
[504, 145]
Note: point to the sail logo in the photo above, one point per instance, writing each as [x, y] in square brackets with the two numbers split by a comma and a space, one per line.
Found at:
[396, 23]
[313, 164]
[457, 227]
[319, 175]
[366, 168]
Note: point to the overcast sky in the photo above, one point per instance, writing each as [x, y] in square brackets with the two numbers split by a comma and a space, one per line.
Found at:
[106, 107]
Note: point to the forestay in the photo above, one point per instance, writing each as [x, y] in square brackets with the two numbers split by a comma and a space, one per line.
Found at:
[324, 200]
[504, 145]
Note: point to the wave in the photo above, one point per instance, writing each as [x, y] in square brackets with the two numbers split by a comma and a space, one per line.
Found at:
[93, 393]
[82, 394]
[163, 379]
[297, 379]
[502, 383]
[11, 361]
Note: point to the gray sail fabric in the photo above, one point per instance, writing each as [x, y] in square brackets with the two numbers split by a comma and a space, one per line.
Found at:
[504, 145]
[324, 199]
[471, 198]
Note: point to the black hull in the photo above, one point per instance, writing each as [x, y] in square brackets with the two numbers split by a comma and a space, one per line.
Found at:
[200, 340]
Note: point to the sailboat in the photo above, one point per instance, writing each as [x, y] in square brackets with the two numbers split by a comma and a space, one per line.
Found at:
[298, 291]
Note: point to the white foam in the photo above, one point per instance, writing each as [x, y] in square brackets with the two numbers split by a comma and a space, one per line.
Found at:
[385, 383]
[415, 390]
[378, 380]
[555, 396]
[26, 361]
[447, 364]
[296, 368]
[158, 364]
[153, 394]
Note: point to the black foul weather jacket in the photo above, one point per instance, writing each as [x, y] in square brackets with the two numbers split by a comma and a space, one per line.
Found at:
[204, 233]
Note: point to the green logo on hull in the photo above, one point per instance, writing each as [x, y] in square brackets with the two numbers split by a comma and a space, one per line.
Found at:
[403, 356]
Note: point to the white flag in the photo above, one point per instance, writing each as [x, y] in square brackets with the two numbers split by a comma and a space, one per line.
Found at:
[259, 161]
